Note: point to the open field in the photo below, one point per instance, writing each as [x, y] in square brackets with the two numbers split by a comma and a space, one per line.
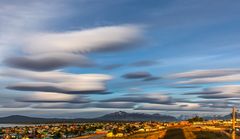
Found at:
[173, 133]
[211, 135]
[195, 133]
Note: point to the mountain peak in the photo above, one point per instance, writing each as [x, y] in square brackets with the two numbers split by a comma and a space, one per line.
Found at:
[124, 116]
[121, 112]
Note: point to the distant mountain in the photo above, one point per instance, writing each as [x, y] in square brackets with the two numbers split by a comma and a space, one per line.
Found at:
[117, 116]
[124, 116]
[185, 117]
[18, 119]
[219, 117]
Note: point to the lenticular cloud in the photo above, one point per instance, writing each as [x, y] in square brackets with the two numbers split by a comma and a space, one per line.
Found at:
[108, 38]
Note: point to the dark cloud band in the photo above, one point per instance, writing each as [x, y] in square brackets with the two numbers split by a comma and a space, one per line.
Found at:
[48, 62]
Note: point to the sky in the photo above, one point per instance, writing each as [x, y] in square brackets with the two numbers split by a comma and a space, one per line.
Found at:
[87, 58]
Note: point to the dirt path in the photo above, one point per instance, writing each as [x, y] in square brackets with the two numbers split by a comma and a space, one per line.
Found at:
[95, 136]
[174, 133]
[188, 133]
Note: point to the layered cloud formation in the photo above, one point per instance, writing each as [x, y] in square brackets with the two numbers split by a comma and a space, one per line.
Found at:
[54, 81]
[48, 51]
[209, 76]
[64, 58]
[43, 53]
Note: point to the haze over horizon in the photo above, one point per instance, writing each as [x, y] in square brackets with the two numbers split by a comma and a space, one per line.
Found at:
[78, 59]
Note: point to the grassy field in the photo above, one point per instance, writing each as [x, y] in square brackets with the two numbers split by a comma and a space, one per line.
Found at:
[194, 133]
[173, 133]
[210, 135]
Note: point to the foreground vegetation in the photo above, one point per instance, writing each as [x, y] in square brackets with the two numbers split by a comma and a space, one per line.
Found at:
[211, 135]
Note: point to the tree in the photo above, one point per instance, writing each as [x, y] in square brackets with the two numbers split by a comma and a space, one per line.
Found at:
[196, 119]
[114, 131]
[128, 129]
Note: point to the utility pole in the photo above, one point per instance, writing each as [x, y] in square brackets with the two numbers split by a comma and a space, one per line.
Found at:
[233, 123]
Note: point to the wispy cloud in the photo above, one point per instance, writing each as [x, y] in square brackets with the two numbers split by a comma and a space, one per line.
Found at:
[156, 98]
[207, 76]
[67, 87]
[137, 75]
[218, 92]
[175, 107]
[53, 76]
[144, 63]
[112, 66]
[221, 79]
[206, 73]
[51, 97]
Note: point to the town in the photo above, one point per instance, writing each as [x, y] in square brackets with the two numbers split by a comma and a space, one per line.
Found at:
[191, 129]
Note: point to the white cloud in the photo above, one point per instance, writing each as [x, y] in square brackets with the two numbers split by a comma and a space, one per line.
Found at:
[177, 107]
[206, 73]
[228, 78]
[208, 76]
[225, 91]
[67, 87]
[64, 106]
[56, 81]
[104, 105]
[51, 97]
[218, 93]
[54, 76]
[21, 18]
[157, 98]
[107, 38]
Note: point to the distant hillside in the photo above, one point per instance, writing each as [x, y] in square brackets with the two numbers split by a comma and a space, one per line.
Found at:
[124, 116]
[33, 120]
[117, 116]
[218, 117]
